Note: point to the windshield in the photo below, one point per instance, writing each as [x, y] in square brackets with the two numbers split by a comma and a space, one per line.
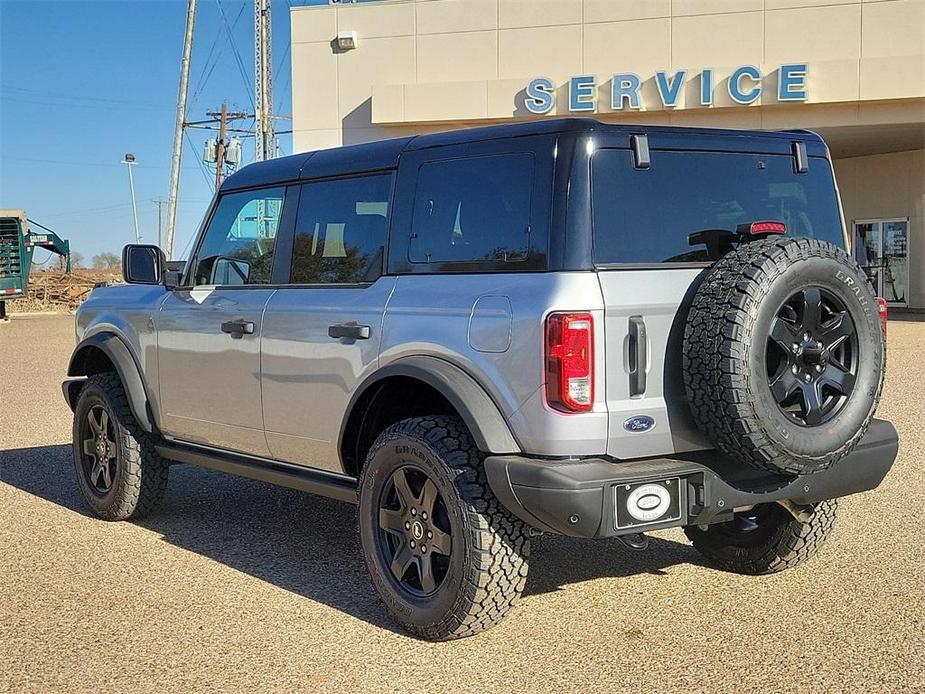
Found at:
[675, 210]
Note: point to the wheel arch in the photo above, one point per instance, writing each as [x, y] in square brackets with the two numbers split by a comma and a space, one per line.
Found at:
[106, 351]
[425, 383]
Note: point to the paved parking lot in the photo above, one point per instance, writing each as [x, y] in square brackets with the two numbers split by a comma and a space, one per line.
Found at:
[236, 585]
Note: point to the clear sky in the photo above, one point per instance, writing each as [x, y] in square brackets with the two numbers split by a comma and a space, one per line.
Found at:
[82, 82]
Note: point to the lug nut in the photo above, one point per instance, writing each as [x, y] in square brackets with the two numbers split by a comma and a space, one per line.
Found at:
[796, 347]
[423, 515]
[430, 535]
[407, 525]
[423, 549]
[414, 512]
[794, 368]
[819, 368]
[412, 544]
[807, 377]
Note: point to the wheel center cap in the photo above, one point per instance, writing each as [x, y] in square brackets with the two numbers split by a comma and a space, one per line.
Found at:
[417, 530]
[813, 352]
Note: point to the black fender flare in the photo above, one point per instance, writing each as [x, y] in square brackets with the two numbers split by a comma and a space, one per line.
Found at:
[126, 367]
[480, 413]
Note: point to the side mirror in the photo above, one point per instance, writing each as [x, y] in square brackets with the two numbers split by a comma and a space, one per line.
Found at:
[230, 271]
[143, 264]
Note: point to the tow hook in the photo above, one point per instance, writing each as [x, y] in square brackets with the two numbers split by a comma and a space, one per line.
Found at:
[635, 541]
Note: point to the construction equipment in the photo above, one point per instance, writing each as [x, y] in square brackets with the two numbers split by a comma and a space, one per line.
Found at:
[17, 243]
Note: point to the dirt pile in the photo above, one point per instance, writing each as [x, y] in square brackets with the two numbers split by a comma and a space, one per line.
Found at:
[56, 291]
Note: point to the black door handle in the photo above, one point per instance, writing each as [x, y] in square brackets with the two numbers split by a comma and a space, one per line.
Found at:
[237, 328]
[351, 331]
[638, 358]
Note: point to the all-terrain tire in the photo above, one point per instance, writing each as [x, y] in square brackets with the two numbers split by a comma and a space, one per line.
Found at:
[138, 475]
[777, 542]
[728, 343]
[487, 568]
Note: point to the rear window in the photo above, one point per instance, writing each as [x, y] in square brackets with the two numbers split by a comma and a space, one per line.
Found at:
[649, 215]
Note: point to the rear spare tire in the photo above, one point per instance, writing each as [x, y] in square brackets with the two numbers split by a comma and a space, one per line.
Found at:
[784, 355]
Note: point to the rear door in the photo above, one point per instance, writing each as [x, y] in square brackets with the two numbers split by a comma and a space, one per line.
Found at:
[321, 331]
[209, 331]
[649, 265]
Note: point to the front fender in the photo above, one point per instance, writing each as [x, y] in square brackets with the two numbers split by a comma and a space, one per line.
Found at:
[83, 363]
[481, 415]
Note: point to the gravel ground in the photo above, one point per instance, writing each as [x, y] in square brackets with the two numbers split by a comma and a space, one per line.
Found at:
[234, 584]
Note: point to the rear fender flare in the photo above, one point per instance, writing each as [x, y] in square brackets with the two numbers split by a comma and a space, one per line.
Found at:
[126, 367]
[482, 416]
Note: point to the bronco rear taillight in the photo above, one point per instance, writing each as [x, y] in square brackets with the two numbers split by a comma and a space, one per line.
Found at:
[570, 361]
[882, 312]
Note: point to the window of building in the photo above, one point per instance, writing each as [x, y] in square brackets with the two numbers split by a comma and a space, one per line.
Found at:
[881, 248]
[239, 242]
[341, 230]
[652, 215]
[473, 210]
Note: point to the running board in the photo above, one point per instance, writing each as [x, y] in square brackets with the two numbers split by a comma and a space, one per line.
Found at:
[329, 484]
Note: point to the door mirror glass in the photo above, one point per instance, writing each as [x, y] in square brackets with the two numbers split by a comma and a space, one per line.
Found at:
[143, 264]
[230, 271]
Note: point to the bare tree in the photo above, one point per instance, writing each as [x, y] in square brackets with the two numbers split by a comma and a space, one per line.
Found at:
[106, 261]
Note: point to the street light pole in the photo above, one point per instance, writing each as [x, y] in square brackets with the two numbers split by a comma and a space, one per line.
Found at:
[129, 161]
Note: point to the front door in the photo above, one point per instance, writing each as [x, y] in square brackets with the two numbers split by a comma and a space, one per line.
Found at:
[881, 249]
[209, 331]
[321, 331]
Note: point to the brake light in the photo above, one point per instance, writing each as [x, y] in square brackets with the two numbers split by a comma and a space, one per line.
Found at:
[570, 361]
[882, 312]
[768, 227]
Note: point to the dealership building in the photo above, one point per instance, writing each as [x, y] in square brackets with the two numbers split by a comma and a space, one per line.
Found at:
[852, 71]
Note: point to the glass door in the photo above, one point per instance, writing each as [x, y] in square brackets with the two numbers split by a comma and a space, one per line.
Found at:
[881, 249]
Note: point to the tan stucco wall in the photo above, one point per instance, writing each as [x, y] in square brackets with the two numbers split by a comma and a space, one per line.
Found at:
[429, 65]
[423, 64]
[884, 186]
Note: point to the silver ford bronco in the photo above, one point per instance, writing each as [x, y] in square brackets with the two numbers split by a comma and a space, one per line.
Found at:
[478, 336]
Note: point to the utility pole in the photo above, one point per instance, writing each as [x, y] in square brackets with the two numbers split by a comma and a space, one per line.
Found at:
[264, 147]
[160, 226]
[178, 131]
[129, 161]
[220, 145]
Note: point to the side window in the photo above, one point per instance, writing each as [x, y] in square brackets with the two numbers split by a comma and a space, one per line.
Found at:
[340, 230]
[239, 243]
[473, 209]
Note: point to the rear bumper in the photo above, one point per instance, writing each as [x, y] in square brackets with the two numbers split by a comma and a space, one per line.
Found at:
[579, 497]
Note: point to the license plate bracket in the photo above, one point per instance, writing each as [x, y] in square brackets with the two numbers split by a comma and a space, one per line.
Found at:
[649, 503]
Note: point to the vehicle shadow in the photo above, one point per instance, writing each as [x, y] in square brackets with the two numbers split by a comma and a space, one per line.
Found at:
[306, 544]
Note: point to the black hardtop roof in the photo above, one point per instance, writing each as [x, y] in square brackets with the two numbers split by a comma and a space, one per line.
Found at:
[384, 154]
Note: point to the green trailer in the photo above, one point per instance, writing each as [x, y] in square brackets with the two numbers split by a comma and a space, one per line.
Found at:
[17, 243]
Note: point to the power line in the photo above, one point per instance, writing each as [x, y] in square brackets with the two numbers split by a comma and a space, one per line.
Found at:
[202, 167]
[76, 97]
[237, 55]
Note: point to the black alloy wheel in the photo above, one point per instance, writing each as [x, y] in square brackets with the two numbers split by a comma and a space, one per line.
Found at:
[812, 356]
[414, 531]
[99, 450]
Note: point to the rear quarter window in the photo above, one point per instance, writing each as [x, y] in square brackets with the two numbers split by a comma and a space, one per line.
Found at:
[643, 216]
[473, 210]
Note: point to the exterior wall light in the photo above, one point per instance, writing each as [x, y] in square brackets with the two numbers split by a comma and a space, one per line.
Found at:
[346, 40]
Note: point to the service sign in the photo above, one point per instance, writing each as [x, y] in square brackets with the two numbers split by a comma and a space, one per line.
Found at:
[744, 86]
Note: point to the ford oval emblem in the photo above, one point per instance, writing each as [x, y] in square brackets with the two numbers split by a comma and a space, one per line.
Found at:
[640, 422]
